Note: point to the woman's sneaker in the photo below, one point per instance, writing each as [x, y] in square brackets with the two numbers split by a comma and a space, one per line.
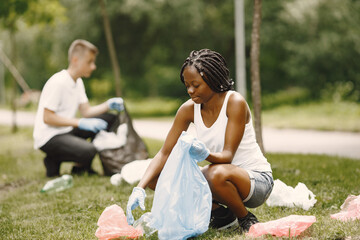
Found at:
[246, 222]
[222, 218]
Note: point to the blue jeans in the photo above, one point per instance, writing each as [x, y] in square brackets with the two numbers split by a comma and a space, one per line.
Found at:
[261, 186]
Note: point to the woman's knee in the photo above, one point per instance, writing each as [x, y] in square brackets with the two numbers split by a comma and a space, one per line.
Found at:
[215, 174]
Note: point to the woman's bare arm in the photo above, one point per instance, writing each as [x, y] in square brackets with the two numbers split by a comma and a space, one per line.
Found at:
[183, 118]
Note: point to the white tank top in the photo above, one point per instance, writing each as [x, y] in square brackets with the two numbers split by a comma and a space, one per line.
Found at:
[248, 155]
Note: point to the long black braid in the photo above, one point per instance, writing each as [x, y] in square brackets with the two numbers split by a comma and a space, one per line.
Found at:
[212, 68]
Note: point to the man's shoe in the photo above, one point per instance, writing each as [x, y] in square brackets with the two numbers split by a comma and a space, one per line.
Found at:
[91, 171]
[52, 167]
[81, 171]
[222, 218]
[246, 222]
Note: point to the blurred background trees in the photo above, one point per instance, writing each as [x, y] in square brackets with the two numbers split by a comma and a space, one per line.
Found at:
[308, 47]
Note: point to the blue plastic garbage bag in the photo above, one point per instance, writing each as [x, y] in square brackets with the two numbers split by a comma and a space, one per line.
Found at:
[182, 201]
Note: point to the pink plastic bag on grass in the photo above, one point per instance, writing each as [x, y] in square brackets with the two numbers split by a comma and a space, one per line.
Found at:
[290, 226]
[350, 210]
[112, 224]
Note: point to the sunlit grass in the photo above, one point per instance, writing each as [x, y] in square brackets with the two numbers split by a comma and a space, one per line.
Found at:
[331, 116]
[25, 213]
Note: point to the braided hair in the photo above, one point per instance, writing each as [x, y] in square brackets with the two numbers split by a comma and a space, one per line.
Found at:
[212, 68]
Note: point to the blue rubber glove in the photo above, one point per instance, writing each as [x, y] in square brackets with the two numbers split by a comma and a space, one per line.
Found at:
[116, 104]
[199, 151]
[136, 198]
[92, 124]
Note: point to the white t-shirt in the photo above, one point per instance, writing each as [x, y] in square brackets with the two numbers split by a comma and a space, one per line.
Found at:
[248, 155]
[62, 95]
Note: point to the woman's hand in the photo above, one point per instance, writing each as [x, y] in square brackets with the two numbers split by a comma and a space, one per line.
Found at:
[199, 151]
[137, 198]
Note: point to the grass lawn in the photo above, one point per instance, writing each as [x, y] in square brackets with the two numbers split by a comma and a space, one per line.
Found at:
[329, 116]
[25, 213]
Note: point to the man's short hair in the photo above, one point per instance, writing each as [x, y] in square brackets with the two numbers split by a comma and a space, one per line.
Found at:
[79, 46]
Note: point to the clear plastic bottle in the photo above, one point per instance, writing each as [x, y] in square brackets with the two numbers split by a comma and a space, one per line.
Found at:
[144, 224]
[58, 184]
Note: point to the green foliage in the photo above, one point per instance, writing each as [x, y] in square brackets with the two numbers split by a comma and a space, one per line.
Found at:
[290, 96]
[161, 35]
[11, 9]
[308, 44]
[100, 88]
[340, 91]
[25, 21]
[45, 12]
[322, 45]
[164, 81]
[32, 12]
[152, 107]
[25, 213]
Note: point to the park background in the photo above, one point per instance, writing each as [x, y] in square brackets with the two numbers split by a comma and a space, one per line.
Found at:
[309, 69]
[309, 48]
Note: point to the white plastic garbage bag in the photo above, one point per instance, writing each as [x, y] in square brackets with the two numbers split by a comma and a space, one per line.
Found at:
[122, 132]
[132, 172]
[110, 140]
[116, 179]
[283, 195]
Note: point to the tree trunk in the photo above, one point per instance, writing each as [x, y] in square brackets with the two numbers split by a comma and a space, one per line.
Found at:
[14, 127]
[111, 47]
[255, 71]
[13, 70]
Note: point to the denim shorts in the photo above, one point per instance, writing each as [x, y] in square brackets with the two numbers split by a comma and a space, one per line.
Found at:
[261, 186]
